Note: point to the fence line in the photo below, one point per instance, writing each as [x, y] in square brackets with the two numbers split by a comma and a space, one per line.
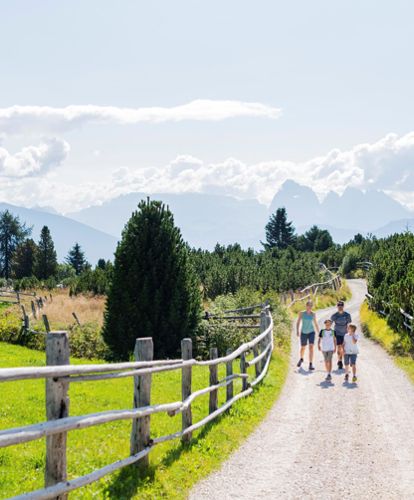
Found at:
[311, 291]
[407, 317]
[59, 374]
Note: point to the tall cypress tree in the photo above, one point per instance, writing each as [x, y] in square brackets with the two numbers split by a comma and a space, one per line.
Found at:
[76, 258]
[12, 234]
[46, 261]
[25, 259]
[154, 292]
[279, 232]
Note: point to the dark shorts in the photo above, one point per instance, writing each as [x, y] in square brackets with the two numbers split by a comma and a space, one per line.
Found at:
[350, 359]
[307, 337]
[339, 339]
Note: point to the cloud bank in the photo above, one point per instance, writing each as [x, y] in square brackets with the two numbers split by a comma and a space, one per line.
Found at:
[33, 160]
[16, 119]
[387, 164]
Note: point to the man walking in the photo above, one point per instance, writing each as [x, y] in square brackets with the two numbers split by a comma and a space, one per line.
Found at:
[341, 319]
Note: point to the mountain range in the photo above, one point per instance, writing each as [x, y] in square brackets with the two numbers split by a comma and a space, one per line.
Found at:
[206, 219]
[66, 232]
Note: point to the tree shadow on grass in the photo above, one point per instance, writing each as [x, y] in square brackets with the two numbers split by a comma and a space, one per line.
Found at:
[127, 483]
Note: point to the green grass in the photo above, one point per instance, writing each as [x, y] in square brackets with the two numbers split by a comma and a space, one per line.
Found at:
[326, 299]
[377, 328]
[174, 468]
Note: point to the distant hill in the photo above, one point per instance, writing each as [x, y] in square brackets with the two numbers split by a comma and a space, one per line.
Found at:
[203, 219]
[65, 232]
[397, 226]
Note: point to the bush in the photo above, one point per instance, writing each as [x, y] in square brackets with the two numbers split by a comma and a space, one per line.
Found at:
[87, 342]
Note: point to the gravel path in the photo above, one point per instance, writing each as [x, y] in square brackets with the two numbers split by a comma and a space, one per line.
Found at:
[328, 442]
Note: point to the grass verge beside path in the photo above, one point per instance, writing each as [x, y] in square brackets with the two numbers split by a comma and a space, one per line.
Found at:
[174, 468]
[328, 298]
[377, 328]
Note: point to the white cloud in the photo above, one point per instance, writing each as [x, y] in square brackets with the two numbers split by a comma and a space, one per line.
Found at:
[16, 119]
[387, 164]
[33, 160]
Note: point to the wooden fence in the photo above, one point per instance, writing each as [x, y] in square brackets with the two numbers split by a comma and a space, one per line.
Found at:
[59, 374]
[408, 319]
[311, 291]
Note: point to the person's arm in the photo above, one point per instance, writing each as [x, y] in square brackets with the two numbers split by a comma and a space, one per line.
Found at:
[355, 338]
[319, 340]
[335, 343]
[298, 323]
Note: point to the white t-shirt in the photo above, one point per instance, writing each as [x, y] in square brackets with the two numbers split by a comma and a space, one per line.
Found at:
[349, 346]
[327, 337]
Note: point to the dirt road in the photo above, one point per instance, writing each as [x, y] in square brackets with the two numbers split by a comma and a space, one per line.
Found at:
[328, 441]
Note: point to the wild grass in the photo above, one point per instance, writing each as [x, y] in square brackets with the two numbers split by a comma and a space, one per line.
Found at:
[174, 468]
[325, 299]
[377, 328]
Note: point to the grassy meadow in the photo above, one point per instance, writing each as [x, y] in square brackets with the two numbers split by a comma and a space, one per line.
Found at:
[174, 468]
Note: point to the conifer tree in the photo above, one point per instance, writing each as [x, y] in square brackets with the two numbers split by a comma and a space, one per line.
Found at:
[25, 259]
[279, 232]
[46, 261]
[76, 258]
[12, 234]
[154, 292]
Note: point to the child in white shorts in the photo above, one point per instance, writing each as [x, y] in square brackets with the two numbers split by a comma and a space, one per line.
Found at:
[327, 344]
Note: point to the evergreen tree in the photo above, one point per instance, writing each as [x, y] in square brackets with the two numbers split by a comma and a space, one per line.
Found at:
[279, 232]
[12, 234]
[154, 292]
[46, 262]
[76, 258]
[24, 259]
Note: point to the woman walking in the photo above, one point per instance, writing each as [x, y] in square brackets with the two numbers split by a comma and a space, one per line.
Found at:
[306, 326]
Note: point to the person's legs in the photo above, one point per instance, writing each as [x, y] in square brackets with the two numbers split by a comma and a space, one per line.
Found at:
[311, 337]
[353, 365]
[346, 358]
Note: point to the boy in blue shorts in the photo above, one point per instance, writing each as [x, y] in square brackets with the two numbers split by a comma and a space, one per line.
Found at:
[351, 351]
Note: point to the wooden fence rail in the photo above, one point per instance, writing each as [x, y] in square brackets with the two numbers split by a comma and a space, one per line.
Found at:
[59, 374]
[310, 291]
[408, 318]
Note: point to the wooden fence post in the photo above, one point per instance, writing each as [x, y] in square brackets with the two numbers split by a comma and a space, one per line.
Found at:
[46, 323]
[229, 373]
[34, 310]
[243, 370]
[257, 365]
[186, 376]
[57, 406]
[213, 381]
[140, 434]
[263, 343]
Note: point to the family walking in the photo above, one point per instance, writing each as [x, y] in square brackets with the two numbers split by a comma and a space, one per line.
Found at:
[338, 335]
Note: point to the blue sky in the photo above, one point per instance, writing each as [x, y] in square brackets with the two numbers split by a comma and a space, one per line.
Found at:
[340, 72]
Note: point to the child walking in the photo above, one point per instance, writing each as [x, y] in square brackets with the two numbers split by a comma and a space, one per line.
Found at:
[351, 351]
[327, 344]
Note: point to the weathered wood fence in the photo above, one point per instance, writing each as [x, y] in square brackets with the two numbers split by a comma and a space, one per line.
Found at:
[311, 291]
[59, 375]
[385, 307]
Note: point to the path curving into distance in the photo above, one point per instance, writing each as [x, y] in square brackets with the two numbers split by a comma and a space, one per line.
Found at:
[328, 442]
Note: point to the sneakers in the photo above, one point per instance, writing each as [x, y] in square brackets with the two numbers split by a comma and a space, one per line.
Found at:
[328, 377]
[311, 367]
[354, 378]
[346, 378]
[300, 363]
[340, 365]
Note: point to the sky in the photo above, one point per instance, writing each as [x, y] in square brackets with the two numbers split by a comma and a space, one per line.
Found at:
[101, 98]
